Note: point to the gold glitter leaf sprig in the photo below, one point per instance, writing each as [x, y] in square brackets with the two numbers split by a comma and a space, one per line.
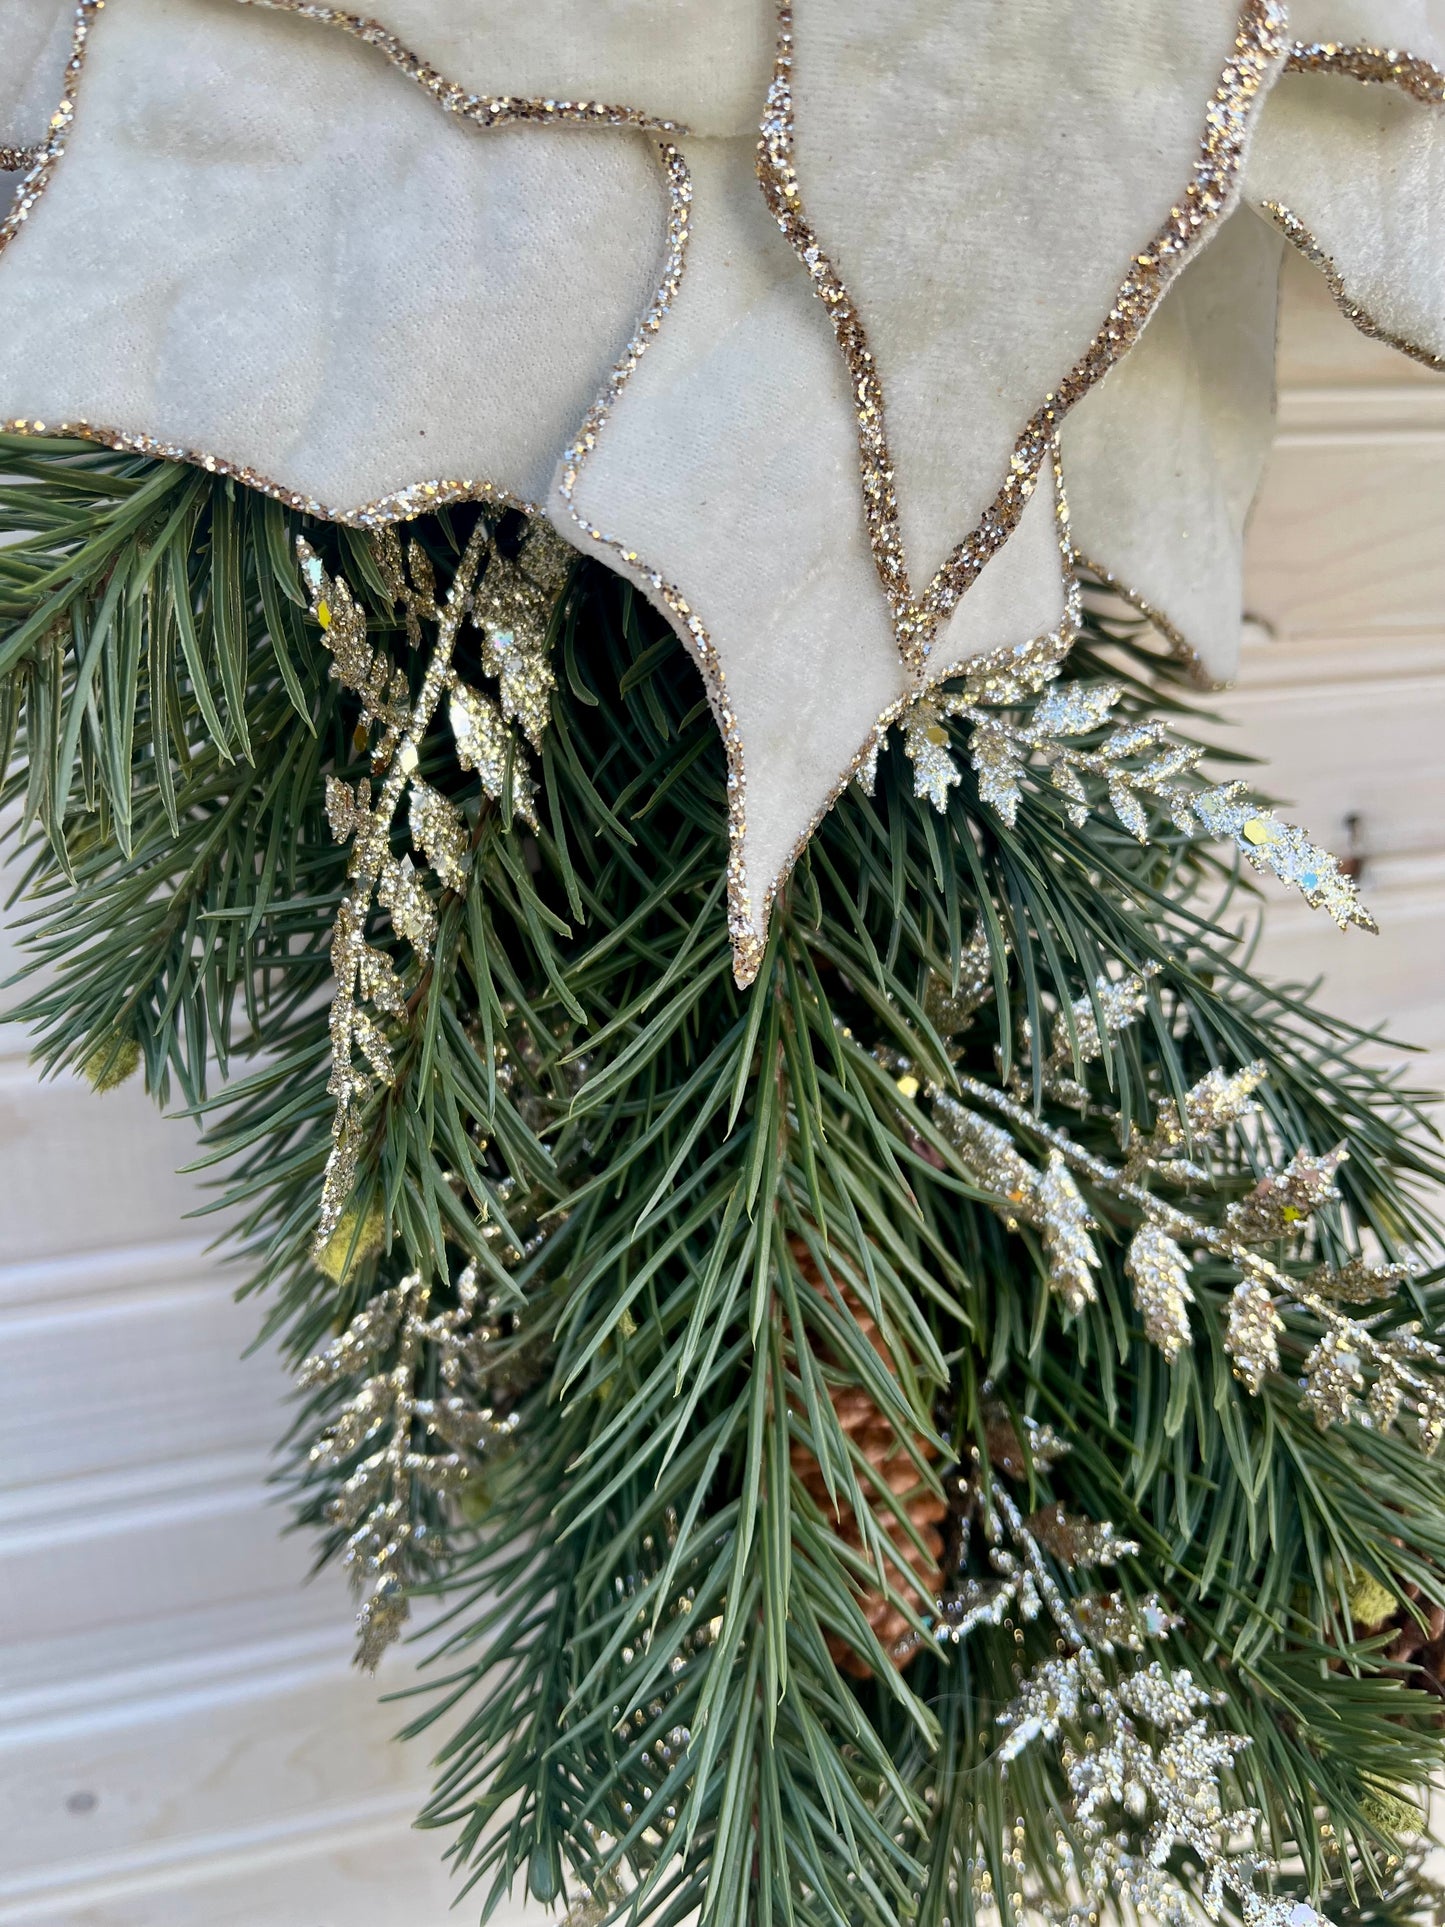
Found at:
[1358, 1372]
[951, 1009]
[1076, 1039]
[1158, 1270]
[430, 1442]
[1218, 1100]
[1278, 1206]
[1049, 1200]
[1359, 1282]
[510, 599]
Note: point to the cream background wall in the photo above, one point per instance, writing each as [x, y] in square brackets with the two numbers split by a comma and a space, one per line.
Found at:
[182, 1742]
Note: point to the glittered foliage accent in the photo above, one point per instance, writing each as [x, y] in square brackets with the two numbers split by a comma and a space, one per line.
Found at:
[1070, 738]
[1039, 1180]
[392, 1436]
[510, 599]
[1145, 1760]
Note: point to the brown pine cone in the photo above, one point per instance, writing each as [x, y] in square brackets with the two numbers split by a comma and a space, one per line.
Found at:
[1419, 1647]
[918, 1575]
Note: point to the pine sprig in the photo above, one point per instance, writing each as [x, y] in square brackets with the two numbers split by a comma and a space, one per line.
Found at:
[634, 1686]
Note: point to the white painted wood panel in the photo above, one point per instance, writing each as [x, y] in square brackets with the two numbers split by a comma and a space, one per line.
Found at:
[1370, 750]
[181, 1741]
[184, 1377]
[171, 1789]
[88, 1174]
[373, 1872]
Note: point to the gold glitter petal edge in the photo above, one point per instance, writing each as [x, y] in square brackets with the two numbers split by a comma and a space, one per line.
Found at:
[1048, 646]
[1295, 231]
[744, 931]
[484, 110]
[748, 933]
[1377, 66]
[402, 506]
[1260, 46]
[747, 942]
[777, 176]
[43, 157]
[1178, 643]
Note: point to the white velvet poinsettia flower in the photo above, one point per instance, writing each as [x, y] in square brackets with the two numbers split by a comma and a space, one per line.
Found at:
[798, 315]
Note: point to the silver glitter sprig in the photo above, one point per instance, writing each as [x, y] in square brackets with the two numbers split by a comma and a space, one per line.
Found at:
[1144, 1760]
[1130, 767]
[1076, 1040]
[430, 1443]
[1362, 1370]
[1048, 1200]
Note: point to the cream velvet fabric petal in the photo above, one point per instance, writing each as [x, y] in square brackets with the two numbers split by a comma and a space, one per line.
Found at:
[981, 176]
[1163, 459]
[265, 244]
[704, 63]
[35, 38]
[1022, 593]
[1362, 168]
[1409, 26]
[729, 468]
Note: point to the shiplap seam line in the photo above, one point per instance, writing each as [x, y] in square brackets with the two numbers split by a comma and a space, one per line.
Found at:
[73, 1503]
[1386, 656]
[1428, 434]
[1242, 702]
[181, 1863]
[118, 1302]
[312, 1665]
[112, 1699]
[164, 1508]
[84, 1274]
[1372, 409]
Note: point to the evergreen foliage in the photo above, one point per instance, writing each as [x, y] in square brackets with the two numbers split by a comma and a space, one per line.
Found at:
[634, 1682]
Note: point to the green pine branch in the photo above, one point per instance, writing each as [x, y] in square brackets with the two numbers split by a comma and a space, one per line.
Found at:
[636, 1681]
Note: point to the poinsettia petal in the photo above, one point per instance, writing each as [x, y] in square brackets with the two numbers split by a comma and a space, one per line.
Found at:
[1407, 26]
[725, 483]
[263, 245]
[35, 38]
[1350, 162]
[1024, 592]
[986, 269]
[1163, 459]
[701, 63]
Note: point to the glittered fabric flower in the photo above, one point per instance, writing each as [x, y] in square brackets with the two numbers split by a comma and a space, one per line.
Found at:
[799, 316]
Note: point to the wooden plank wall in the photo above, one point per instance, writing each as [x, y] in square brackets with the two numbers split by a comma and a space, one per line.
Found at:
[182, 1743]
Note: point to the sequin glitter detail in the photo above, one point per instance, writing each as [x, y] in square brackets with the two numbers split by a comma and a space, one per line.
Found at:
[1295, 231]
[485, 110]
[1378, 66]
[1259, 45]
[15, 160]
[1179, 645]
[361, 973]
[49, 151]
